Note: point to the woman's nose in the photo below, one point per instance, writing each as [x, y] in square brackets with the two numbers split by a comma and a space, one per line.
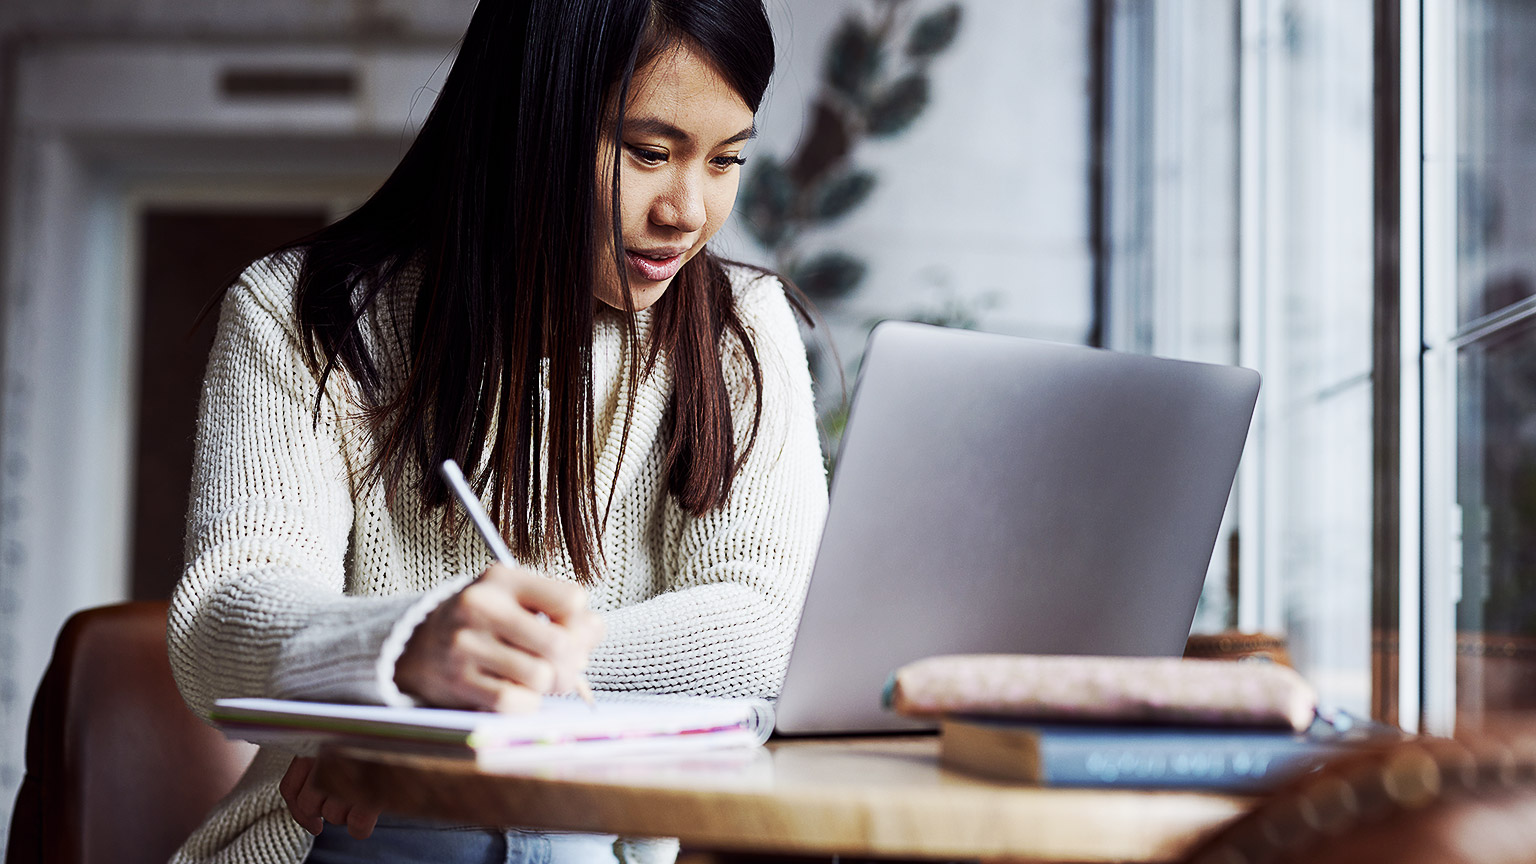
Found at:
[681, 205]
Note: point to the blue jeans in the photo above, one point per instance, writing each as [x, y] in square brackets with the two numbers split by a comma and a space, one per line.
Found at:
[408, 841]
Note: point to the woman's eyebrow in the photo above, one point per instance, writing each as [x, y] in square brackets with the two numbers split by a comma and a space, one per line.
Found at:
[661, 128]
[746, 134]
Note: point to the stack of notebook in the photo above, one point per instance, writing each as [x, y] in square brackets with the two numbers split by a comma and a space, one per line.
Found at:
[1119, 721]
[563, 728]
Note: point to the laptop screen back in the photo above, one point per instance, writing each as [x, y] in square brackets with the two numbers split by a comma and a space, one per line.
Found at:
[999, 494]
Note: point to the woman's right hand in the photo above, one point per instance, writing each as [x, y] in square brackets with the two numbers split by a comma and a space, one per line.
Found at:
[502, 642]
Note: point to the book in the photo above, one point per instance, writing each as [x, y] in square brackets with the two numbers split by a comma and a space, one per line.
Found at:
[1126, 690]
[1230, 759]
[564, 728]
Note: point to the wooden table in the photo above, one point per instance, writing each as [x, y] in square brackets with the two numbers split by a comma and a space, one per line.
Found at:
[865, 797]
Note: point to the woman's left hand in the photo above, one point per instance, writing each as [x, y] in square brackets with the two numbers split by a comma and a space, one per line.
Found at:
[312, 808]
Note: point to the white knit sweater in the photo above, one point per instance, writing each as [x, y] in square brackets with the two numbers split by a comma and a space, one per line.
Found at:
[299, 586]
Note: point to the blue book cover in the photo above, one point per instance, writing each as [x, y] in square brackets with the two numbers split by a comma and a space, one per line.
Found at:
[1144, 757]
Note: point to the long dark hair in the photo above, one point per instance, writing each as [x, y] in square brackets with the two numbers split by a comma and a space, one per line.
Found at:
[486, 232]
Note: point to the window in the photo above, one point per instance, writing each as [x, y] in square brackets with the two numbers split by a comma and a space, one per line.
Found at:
[1488, 336]
[1239, 205]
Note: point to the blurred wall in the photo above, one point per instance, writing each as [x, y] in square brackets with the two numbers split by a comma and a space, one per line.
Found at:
[239, 19]
[108, 109]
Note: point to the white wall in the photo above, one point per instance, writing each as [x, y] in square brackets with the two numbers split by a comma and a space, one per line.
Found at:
[983, 202]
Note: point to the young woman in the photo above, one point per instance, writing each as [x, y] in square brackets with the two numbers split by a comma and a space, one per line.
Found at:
[529, 293]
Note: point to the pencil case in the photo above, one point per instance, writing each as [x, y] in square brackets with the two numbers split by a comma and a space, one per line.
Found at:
[1104, 689]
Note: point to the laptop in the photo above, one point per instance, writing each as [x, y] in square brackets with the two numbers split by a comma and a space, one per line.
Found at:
[995, 494]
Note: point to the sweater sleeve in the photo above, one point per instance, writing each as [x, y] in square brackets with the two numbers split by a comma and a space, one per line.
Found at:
[736, 577]
[260, 609]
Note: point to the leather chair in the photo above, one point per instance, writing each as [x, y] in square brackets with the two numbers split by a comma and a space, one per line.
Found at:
[119, 770]
[1468, 800]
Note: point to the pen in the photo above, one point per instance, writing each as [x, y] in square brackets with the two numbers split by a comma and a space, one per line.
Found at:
[492, 538]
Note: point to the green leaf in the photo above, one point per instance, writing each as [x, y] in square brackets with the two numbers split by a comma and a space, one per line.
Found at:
[853, 58]
[933, 32]
[765, 201]
[831, 274]
[838, 196]
[826, 144]
[894, 109]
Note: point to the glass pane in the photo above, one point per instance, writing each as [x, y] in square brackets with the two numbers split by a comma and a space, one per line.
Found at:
[1240, 230]
[1496, 645]
[1496, 398]
[1322, 532]
[1497, 165]
[1315, 339]
[1171, 212]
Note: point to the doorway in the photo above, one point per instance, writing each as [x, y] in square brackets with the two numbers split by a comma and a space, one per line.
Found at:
[187, 254]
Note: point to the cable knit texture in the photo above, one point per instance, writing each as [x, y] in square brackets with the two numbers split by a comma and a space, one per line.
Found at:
[298, 584]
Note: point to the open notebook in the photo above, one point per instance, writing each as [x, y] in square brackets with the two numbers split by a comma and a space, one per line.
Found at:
[563, 728]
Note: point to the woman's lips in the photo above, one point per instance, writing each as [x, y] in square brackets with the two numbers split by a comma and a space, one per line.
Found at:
[653, 268]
